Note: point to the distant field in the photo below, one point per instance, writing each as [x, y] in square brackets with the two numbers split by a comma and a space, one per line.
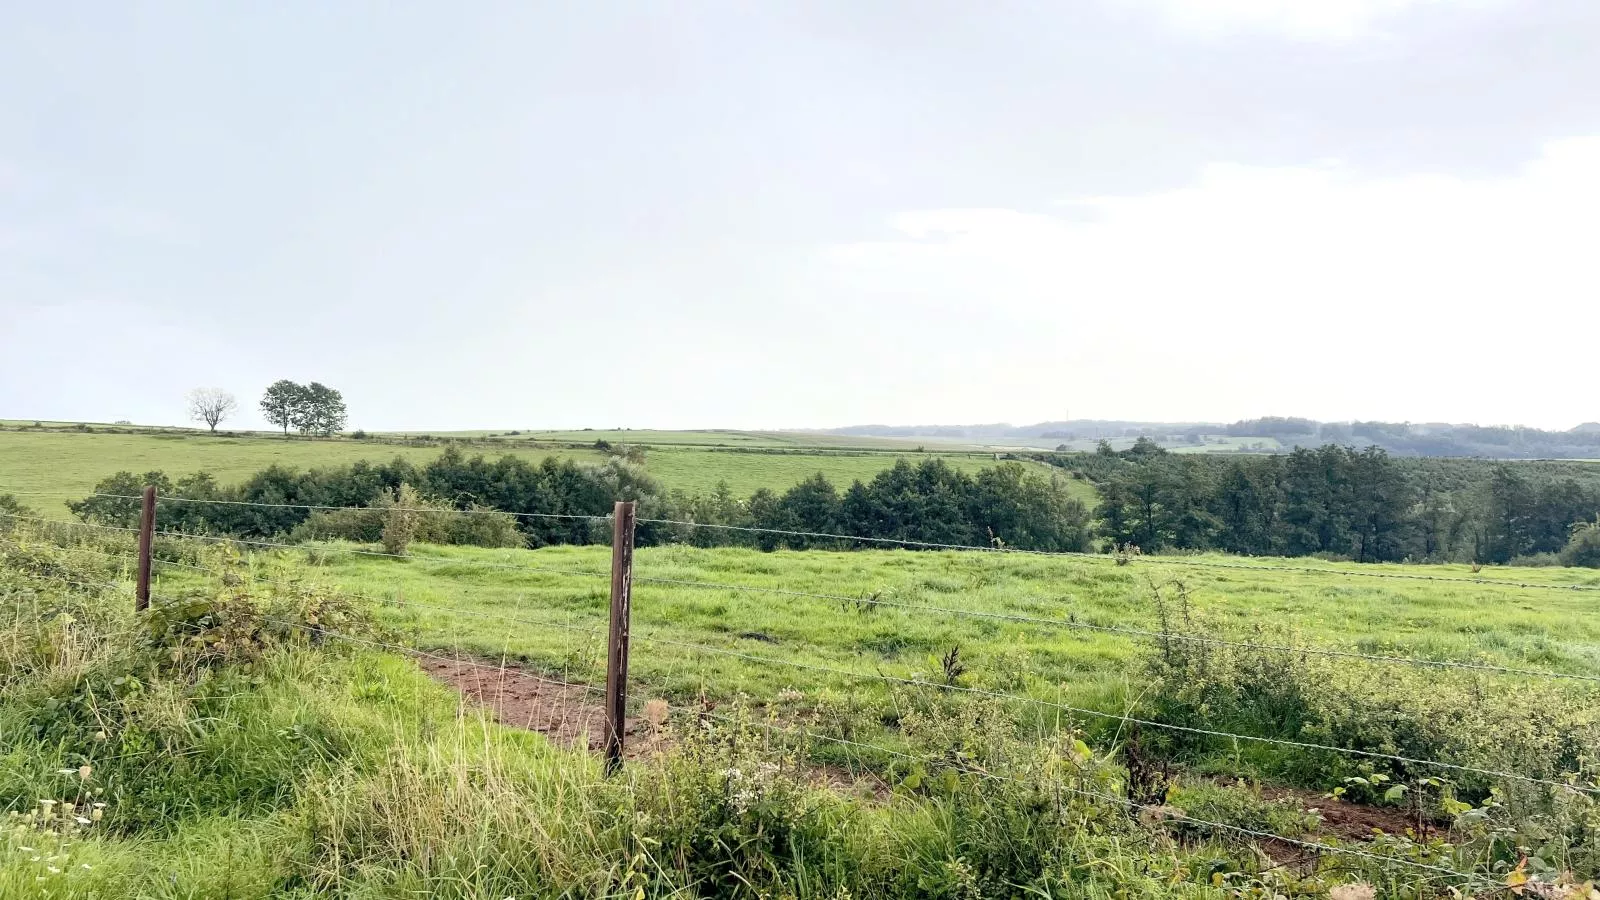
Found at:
[71, 462]
[717, 438]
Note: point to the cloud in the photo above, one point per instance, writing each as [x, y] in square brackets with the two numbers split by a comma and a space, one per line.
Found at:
[1306, 19]
[1304, 290]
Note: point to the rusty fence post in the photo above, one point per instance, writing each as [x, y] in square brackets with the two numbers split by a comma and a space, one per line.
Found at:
[617, 642]
[147, 532]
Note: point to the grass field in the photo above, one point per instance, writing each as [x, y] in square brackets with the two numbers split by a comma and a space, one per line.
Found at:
[71, 462]
[1448, 620]
[375, 785]
[715, 438]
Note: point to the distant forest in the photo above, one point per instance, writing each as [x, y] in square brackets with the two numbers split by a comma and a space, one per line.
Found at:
[1340, 502]
[1399, 439]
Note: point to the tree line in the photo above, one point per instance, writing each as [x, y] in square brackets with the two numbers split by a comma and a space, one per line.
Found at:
[1336, 501]
[1331, 501]
[928, 502]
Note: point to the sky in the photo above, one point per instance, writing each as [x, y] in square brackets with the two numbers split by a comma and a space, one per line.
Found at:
[763, 215]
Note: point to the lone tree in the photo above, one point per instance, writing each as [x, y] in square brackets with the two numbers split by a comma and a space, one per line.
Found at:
[211, 406]
[282, 401]
[311, 408]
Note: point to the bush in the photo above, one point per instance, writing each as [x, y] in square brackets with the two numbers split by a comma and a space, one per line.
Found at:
[1536, 561]
[401, 520]
[437, 523]
[1583, 550]
[10, 509]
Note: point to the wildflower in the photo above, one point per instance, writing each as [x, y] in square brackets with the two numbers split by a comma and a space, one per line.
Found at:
[83, 772]
[97, 814]
[100, 735]
[1356, 891]
[81, 820]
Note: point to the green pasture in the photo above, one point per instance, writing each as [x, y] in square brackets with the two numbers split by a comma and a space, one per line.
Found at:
[71, 462]
[549, 606]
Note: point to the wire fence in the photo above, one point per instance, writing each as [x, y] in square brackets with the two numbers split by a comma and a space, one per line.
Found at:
[577, 700]
[1370, 570]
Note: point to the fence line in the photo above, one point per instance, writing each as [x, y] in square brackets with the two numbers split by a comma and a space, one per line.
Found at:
[1129, 805]
[877, 601]
[276, 545]
[1161, 560]
[895, 542]
[1125, 719]
[874, 600]
[1166, 812]
[999, 695]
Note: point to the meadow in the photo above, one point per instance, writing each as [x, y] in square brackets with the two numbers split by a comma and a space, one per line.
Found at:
[250, 763]
[70, 462]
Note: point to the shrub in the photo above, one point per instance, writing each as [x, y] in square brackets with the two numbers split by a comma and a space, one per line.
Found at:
[1536, 560]
[401, 520]
[10, 509]
[1583, 550]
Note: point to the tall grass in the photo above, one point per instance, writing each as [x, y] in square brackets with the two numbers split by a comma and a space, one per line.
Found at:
[236, 756]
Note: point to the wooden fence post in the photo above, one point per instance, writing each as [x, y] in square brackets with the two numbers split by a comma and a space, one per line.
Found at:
[617, 644]
[147, 532]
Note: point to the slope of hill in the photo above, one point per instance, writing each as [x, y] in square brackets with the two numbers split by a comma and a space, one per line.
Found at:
[1267, 435]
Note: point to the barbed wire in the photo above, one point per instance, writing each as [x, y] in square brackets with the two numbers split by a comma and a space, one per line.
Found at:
[1123, 718]
[1103, 557]
[276, 545]
[165, 498]
[883, 541]
[874, 600]
[1166, 812]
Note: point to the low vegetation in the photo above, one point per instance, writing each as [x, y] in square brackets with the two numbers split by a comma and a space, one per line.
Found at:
[250, 737]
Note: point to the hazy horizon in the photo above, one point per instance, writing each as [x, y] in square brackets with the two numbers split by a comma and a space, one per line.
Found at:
[718, 215]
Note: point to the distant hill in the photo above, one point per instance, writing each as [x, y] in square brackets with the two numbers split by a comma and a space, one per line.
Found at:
[1273, 433]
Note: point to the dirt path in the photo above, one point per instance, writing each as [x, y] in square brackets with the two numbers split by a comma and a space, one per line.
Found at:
[571, 715]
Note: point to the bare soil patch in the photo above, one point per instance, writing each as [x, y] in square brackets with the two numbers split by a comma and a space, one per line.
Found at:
[1349, 821]
[569, 714]
[573, 715]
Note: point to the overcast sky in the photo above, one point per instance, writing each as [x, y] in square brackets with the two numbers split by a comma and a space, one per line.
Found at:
[699, 214]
